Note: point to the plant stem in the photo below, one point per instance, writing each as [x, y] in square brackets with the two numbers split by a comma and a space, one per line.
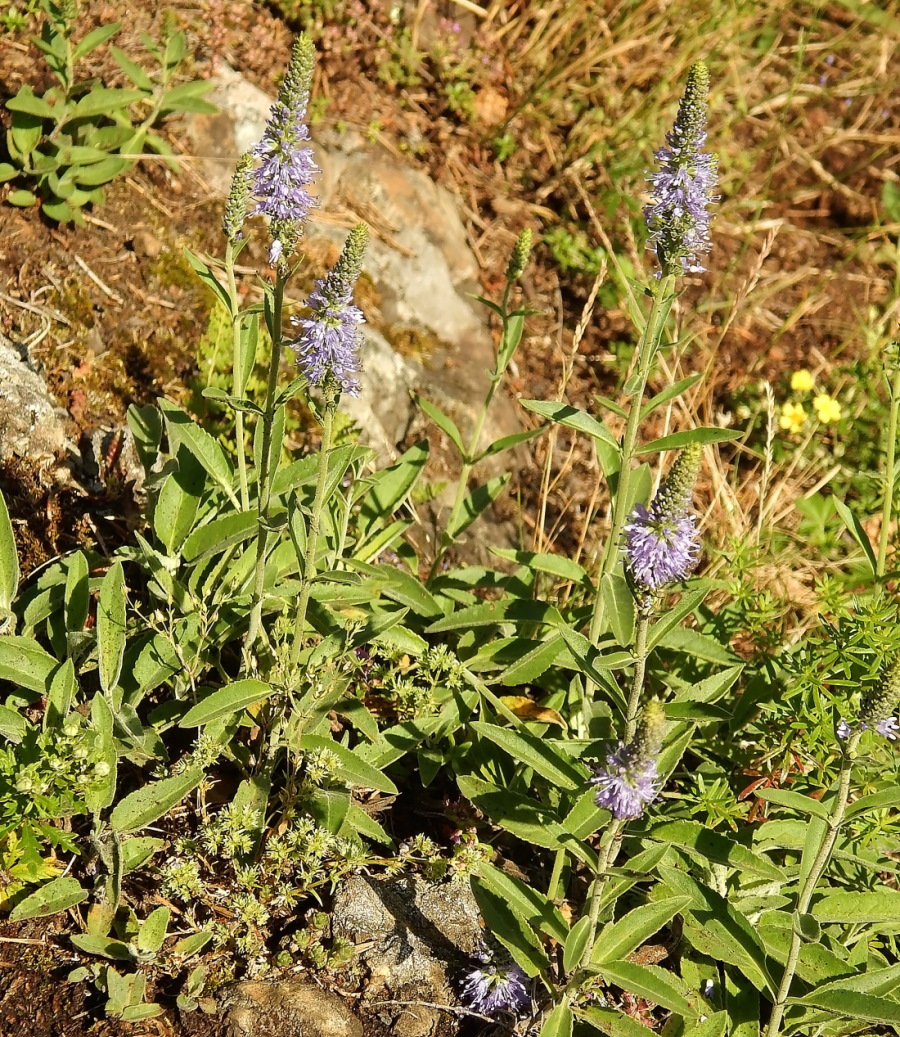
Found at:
[613, 836]
[309, 568]
[264, 475]
[817, 869]
[888, 501]
[651, 336]
[239, 376]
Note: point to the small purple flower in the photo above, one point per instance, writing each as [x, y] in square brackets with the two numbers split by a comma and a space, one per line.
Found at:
[888, 728]
[287, 169]
[681, 192]
[843, 730]
[495, 988]
[626, 784]
[328, 346]
[661, 542]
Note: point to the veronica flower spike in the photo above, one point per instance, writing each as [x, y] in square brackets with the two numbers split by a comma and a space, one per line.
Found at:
[629, 779]
[328, 346]
[287, 168]
[494, 987]
[681, 192]
[661, 542]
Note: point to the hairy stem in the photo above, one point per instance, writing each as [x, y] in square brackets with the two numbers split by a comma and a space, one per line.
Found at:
[888, 500]
[239, 376]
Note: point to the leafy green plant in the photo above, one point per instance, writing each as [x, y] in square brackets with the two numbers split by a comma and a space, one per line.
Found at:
[67, 143]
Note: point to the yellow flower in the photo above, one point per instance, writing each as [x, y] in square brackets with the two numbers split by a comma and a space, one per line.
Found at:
[828, 411]
[802, 381]
[793, 417]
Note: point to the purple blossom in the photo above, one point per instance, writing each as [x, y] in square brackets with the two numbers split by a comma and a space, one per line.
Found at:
[843, 730]
[888, 728]
[627, 783]
[328, 346]
[680, 193]
[660, 549]
[493, 987]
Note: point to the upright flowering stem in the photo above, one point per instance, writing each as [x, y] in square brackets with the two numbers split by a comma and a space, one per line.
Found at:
[315, 519]
[265, 473]
[817, 869]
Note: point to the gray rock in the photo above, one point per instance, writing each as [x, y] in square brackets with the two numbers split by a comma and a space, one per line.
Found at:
[413, 938]
[286, 1008]
[32, 425]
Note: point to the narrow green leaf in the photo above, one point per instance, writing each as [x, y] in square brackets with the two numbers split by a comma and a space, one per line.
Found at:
[858, 907]
[555, 565]
[575, 944]
[101, 100]
[350, 765]
[618, 939]
[145, 805]
[690, 600]
[715, 848]
[225, 701]
[679, 440]
[206, 275]
[855, 528]
[221, 533]
[94, 39]
[111, 627]
[613, 1023]
[57, 895]
[103, 947]
[25, 663]
[794, 801]
[572, 417]
[652, 983]
[132, 69]
[851, 1004]
[884, 799]
[671, 392]
[183, 430]
[26, 101]
[559, 1022]
[152, 933]
[78, 593]
[536, 753]
[9, 559]
[479, 500]
[538, 910]
[443, 422]
[510, 929]
[60, 696]
[533, 663]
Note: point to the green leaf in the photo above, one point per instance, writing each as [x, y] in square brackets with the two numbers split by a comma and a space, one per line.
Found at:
[190, 945]
[858, 907]
[585, 817]
[111, 627]
[856, 530]
[26, 101]
[350, 766]
[60, 696]
[132, 69]
[794, 801]
[576, 943]
[184, 431]
[136, 852]
[78, 593]
[94, 39]
[671, 392]
[13, 726]
[187, 97]
[24, 662]
[672, 617]
[146, 804]
[503, 610]
[696, 712]
[538, 910]
[179, 500]
[225, 701]
[650, 982]
[103, 947]
[715, 848]
[481, 498]
[506, 442]
[102, 100]
[152, 933]
[510, 929]
[9, 559]
[555, 565]
[613, 1023]
[533, 663]
[99, 172]
[57, 895]
[536, 753]
[570, 417]
[618, 939]
[559, 1022]
[851, 1004]
[205, 272]
[220, 534]
[884, 799]
[679, 440]
[21, 198]
[619, 607]
[390, 487]
[442, 421]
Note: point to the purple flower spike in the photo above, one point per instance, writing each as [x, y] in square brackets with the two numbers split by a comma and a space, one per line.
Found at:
[494, 987]
[661, 542]
[328, 346]
[287, 169]
[681, 192]
[888, 728]
[630, 780]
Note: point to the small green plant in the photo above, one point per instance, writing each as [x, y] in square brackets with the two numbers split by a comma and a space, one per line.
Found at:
[69, 142]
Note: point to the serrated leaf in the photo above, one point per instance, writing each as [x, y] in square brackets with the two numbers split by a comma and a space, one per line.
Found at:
[350, 765]
[649, 982]
[57, 895]
[144, 806]
[851, 1004]
[559, 1022]
[510, 929]
[536, 753]
[538, 910]
[690, 600]
[618, 939]
[858, 907]
[533, 663]
[715, 848]
[613, 1023]
[793, 800]
[184, 431]
[226, 701]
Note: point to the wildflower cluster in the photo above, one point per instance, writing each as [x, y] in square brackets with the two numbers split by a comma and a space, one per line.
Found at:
[661, 542]
[496, 984]
[684, 188]
[629, 779]
[793, 416]
[878, 707]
